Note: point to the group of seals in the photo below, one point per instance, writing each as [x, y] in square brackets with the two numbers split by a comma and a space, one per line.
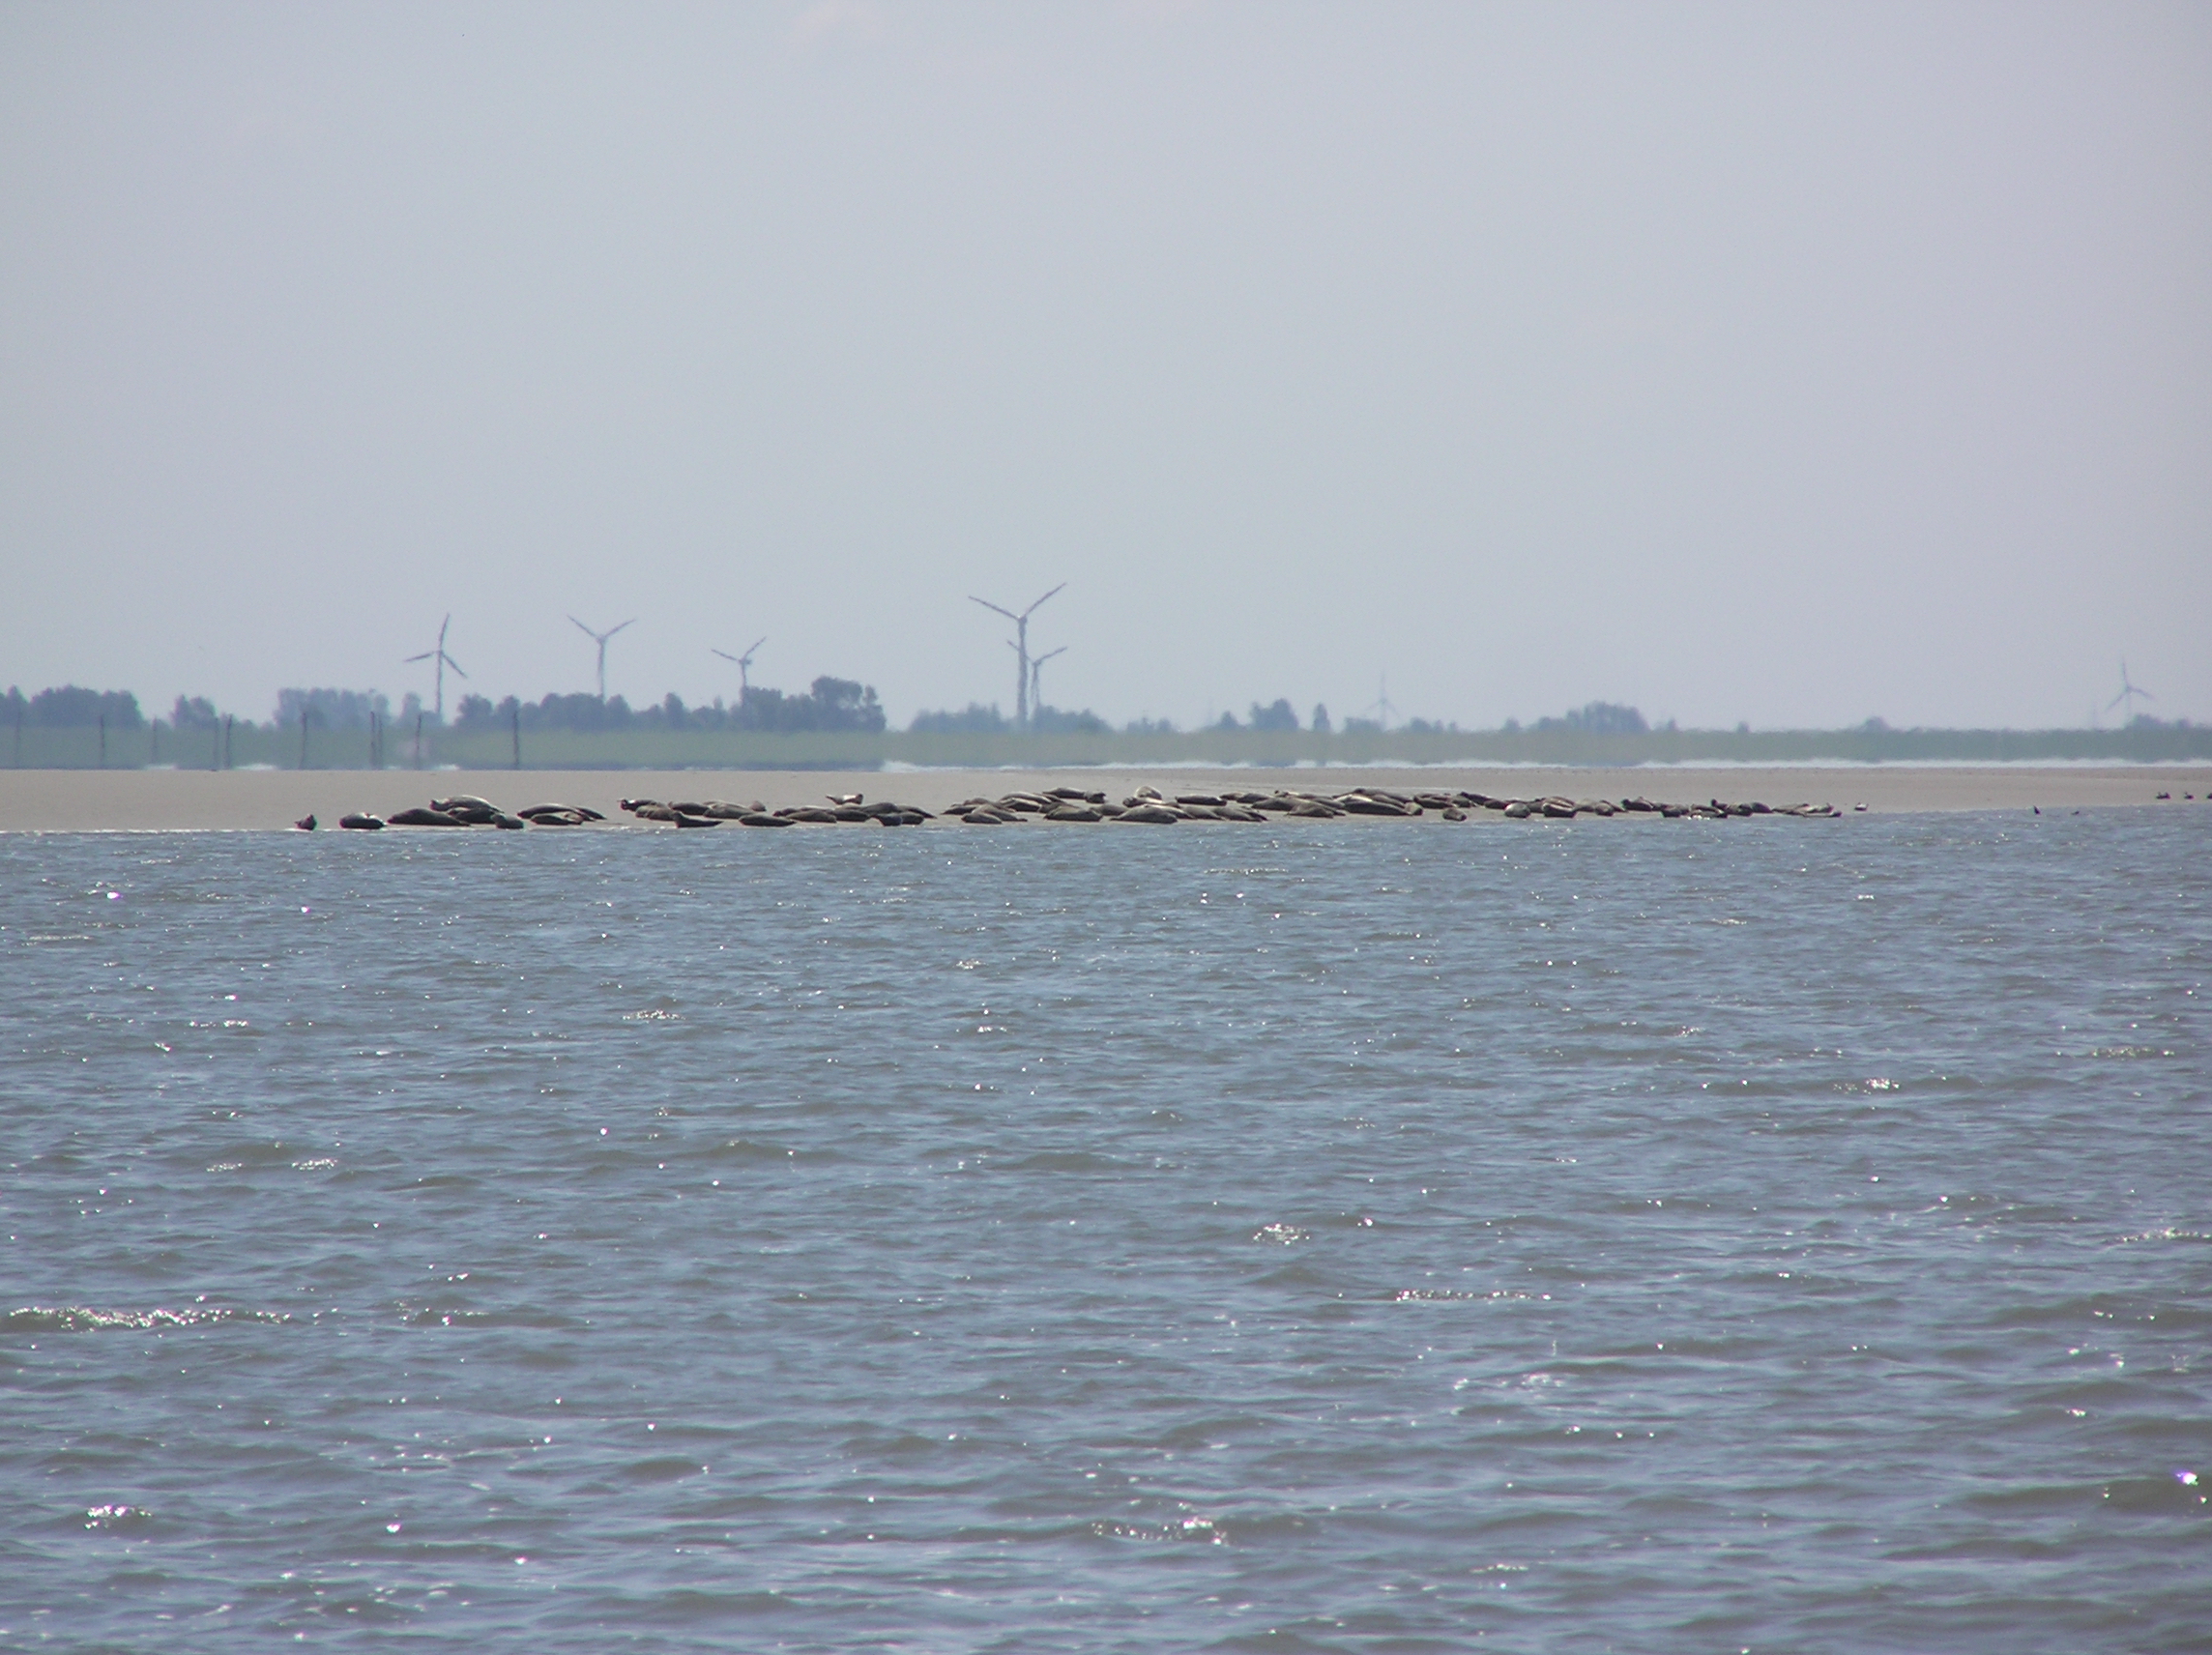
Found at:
[1149, 806]
[843, 807]
[1065, 805]
[467, 810]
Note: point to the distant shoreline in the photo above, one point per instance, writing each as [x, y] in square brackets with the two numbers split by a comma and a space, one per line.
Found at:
[241, 745]
[76, 801]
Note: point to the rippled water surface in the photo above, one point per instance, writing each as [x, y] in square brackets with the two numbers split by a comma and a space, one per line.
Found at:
[1614, 1236]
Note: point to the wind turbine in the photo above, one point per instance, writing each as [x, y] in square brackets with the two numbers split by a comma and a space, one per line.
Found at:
[1381, 707]
[443, 661]
[600, 639]
[1037, 678]
[744, 662]
[2128, 694]
[1022, 650]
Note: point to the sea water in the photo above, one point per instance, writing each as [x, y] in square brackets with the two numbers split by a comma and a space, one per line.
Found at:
[1638, 1236]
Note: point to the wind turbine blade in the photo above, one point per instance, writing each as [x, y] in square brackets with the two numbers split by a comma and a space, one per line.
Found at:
[586, 630]
[724, 654]
[426, 655]
[1007, 613]
[455, 665]
[757, 643]
[631, 621]
[1040, 603]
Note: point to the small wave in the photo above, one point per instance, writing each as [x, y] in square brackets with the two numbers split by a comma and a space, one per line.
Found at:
[81, 1319]
[666, 1468]
[654, 1016]
[1203, 1529]
[1284, 1234]
[1067, 1161]
[1458, 1296]
[115, 1515]
[2168, 1234]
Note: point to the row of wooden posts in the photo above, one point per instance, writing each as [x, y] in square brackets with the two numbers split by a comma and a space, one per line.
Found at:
[220, 749]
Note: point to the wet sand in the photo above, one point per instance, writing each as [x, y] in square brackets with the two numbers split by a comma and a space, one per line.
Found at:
[94, 800]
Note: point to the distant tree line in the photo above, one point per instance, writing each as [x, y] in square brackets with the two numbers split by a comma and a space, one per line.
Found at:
[1278, 714]
[830, 704]
[70, 708]
[976, 719]
[327, 709]
[1594, 718]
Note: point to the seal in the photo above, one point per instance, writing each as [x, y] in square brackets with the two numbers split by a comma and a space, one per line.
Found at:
[468, 813]
[363, 822]
[307, 823]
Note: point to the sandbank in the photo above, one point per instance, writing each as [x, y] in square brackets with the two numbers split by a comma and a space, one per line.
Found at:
[108, 800]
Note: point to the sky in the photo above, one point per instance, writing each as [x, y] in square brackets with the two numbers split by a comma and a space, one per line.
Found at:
[1788, 363]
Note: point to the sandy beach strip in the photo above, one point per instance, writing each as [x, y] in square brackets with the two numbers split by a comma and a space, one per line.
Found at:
[98, 800]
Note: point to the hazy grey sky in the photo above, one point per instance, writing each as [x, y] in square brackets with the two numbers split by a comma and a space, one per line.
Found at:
[1783, 363]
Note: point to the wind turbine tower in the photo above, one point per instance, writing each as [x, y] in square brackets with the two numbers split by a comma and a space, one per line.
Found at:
[1383, 709]
[1036, 680]
[2128, 696]
[1021, 649]
[600, 639]
[744, 665]
[443, 661]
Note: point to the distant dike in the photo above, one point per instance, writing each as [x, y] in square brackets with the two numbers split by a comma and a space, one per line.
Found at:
[158, 746]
